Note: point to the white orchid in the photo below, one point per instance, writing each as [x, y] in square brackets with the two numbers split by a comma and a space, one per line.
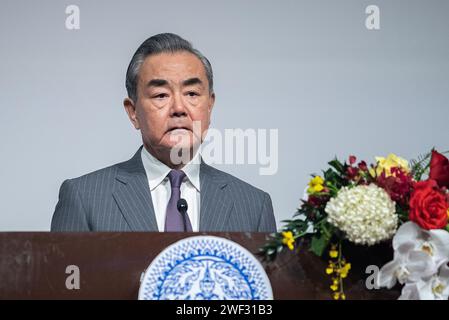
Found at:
[410, 291]
[420, 262]
[435, 288]
[408, 265]
[433, 242]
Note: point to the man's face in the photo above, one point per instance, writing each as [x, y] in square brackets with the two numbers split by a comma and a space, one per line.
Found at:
[173, 92]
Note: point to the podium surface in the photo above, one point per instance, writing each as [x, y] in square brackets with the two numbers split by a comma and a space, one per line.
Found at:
[33, 266]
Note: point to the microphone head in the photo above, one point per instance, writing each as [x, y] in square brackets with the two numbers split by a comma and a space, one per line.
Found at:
[182, 205]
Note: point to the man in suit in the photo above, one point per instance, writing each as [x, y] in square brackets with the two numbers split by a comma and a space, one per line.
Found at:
[170, 91]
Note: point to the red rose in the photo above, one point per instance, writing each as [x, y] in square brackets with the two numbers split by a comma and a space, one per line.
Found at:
[439, 169]
[428, 205]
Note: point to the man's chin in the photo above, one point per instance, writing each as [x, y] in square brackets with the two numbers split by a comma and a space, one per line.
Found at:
[182, 153]
[187, 146]
[180, 139]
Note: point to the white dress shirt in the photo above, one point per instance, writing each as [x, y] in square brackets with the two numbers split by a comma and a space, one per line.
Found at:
[161, 190]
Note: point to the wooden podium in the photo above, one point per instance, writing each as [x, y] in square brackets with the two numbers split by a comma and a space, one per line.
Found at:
[33, 266]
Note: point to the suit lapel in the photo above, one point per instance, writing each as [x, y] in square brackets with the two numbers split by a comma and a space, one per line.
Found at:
[133, 195]
[216, 204]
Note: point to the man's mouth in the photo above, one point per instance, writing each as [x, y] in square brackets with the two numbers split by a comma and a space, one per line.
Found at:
[178, 129]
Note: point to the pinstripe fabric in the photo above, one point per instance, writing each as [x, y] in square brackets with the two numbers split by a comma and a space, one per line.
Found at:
[118, 198]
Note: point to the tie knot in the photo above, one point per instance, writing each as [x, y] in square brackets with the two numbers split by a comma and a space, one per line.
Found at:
[176, 177]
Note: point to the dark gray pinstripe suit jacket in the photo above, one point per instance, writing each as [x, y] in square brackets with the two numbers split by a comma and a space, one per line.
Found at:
[118, 198]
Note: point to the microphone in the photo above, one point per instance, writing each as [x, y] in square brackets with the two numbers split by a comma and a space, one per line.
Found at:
[182, 208]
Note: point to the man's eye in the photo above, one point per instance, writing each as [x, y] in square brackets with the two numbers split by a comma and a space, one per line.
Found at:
[160, 96]
[192, 94]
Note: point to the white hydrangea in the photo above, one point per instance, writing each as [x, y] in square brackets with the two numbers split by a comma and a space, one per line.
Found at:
[365, 213]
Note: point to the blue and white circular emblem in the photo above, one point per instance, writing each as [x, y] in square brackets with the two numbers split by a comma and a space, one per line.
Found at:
[205, 268]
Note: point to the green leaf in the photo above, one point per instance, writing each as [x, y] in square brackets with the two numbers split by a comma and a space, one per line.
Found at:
[420, 166]
[329, 175]
[327, 230]
[319, 243]
[337, 165]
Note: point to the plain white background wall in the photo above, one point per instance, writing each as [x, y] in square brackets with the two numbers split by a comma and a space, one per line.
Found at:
[308, 68]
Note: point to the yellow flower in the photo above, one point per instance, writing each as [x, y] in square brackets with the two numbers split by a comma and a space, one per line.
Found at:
[338, 270]
[344, 271]
[385, 164]
[333, 253]
[316, 185]
[288, 239]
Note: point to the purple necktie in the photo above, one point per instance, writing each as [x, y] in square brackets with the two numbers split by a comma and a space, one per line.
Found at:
[174, 220]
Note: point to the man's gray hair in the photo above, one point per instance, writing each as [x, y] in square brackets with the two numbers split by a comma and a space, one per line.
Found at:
[163, 42]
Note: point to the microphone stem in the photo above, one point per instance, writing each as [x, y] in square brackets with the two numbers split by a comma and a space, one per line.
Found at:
[184, 220]
[182, 209]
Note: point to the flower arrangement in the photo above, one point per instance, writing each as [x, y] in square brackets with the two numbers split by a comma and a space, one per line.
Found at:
[389, 200]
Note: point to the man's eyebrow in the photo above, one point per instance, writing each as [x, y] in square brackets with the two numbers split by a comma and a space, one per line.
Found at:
[192, 81]
[157, 83]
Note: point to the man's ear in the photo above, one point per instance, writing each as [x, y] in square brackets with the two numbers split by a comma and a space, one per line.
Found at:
[211, 106]
[130, 108]
[212, 102]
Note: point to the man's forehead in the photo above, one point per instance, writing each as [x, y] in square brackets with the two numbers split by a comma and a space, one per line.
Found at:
[172, 65]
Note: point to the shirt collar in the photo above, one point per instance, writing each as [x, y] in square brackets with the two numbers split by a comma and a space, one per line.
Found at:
[157, 171]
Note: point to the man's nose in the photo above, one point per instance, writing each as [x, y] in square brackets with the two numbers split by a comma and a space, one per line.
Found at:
[178, 108]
